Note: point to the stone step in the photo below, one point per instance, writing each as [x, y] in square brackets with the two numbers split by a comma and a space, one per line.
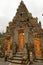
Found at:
[18, 61]
[20, 55]
[15, 61]
[15, 58]
[17, 55]
[20, 52]
[14, 64]
[19, 58]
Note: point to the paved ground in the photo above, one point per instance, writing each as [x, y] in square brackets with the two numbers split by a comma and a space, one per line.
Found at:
[2, 62]
[37, 63]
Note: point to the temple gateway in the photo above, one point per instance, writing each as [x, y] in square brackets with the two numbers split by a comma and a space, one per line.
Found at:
[25, 35]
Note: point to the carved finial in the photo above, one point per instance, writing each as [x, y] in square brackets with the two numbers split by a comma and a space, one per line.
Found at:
[42, 14]
[22, 3]
[40, 23]
[21, 0]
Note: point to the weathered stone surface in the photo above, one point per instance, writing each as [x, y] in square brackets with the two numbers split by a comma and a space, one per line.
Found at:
[24, 20]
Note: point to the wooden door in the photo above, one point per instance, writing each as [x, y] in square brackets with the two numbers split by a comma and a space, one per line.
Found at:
[38, 47]
[20, 39]
[8, 45]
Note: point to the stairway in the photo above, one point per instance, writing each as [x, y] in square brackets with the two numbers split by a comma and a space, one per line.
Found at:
[19, 59]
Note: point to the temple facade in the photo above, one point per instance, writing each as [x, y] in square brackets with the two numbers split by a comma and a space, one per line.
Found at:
[23, 30]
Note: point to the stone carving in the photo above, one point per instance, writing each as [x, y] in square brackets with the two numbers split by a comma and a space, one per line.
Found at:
[24, 19]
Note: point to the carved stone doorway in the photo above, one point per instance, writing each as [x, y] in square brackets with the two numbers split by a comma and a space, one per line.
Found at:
[20, 39]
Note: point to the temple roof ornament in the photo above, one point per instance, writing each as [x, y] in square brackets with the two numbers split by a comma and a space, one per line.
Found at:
[24, 18]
